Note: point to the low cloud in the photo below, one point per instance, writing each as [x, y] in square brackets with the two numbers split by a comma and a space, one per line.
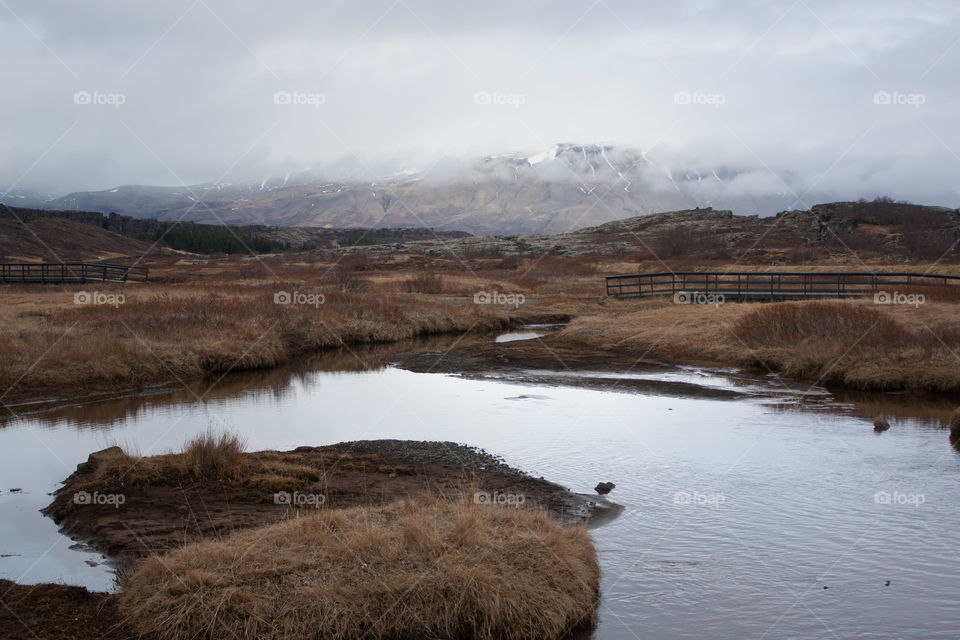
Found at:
[785, 93]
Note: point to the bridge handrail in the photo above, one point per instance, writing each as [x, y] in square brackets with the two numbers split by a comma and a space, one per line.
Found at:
[60, 272]
[772, 283]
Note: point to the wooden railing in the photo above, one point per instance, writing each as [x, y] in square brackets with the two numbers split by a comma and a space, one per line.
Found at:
[66, 272]
[752, 285]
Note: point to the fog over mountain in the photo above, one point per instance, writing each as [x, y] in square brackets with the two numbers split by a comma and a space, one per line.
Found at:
[564, 187]
[752, 106]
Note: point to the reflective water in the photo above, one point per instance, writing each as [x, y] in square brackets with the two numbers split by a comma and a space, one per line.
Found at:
[737, 512]
[513, 336]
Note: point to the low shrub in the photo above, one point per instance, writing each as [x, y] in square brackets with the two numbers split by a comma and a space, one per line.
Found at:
[214, 456]
[411, 569]
[424, 283]
[789, 324]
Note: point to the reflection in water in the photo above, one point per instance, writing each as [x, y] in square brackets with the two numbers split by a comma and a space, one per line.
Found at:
[514, 336]
[105, 411]
[915, 407]
[737, 512]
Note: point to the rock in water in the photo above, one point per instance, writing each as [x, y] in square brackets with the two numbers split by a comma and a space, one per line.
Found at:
[880, 424]
[955, 424]
[604, 488]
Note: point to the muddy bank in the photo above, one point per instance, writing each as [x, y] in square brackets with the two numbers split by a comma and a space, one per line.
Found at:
[127, 508]
[58, 612]
[95, 408]
[551, 360]
[158, 336]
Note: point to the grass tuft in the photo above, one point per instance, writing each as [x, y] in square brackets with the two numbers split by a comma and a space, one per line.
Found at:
[214, 456]
[790, 323]
[411, 569]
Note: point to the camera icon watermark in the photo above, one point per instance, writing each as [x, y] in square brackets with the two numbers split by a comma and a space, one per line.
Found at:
[886, 297]
[899, 498]
[915, 100]
[496, 98]
[299, 98]
[97, 498]
[99, 98]
[297, 499]
[99, 298]
[699, 499]
[299, 298]
[715, 100]
[498, 499]
[496, 297]
[698, 297]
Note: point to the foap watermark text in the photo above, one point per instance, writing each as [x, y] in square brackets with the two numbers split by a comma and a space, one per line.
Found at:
[498, 499]
[299, 298]
[698, 297]
[97, 498]
[497, 297]
[297, 499]
[98, 298]
[886, 297]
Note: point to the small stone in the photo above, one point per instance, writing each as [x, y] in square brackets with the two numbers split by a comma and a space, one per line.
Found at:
[880, 424]
[604, 488]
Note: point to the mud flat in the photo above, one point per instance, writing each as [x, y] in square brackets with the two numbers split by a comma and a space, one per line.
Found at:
[552, 360]
[164, 506]
[131, 508]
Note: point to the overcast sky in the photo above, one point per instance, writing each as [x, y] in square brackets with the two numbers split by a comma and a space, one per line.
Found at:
[856, 97]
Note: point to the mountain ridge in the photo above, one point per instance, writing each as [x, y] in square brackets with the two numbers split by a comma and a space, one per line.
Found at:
[562, 188]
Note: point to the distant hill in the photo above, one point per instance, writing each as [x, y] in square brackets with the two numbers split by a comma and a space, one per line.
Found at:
[34, 234]
[842, 230]
[896, 230]
[563, 188]
[42, 236]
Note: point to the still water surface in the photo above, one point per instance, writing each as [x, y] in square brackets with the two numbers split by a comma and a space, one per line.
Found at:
[777, 515]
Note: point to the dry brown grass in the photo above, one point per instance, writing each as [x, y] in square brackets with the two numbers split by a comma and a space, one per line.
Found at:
[424, 283]
[412, 569]
[796, 323]
[211, 457]
[220, 316]
[214, 456]
[851, 343]
[165, 332]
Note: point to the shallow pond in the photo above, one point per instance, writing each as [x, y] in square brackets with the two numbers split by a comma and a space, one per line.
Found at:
[779, 513]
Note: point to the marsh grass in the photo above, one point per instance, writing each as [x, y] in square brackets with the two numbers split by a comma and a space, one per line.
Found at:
[422, 568]
[214, 456]
[852, 343]
[163, 332]
[793, 323]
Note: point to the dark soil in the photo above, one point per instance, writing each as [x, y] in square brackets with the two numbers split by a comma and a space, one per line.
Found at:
[551, 361]
[161, 514]
[164, 513]
[58, 612]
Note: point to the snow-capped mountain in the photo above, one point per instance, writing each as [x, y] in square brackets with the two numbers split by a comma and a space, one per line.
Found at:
[555, 190]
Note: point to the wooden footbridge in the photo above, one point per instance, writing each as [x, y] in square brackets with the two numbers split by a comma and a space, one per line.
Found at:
[69, 272]
[772, 285]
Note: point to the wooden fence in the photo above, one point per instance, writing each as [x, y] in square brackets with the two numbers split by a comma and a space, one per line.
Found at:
[752, 285]
[67, 272]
